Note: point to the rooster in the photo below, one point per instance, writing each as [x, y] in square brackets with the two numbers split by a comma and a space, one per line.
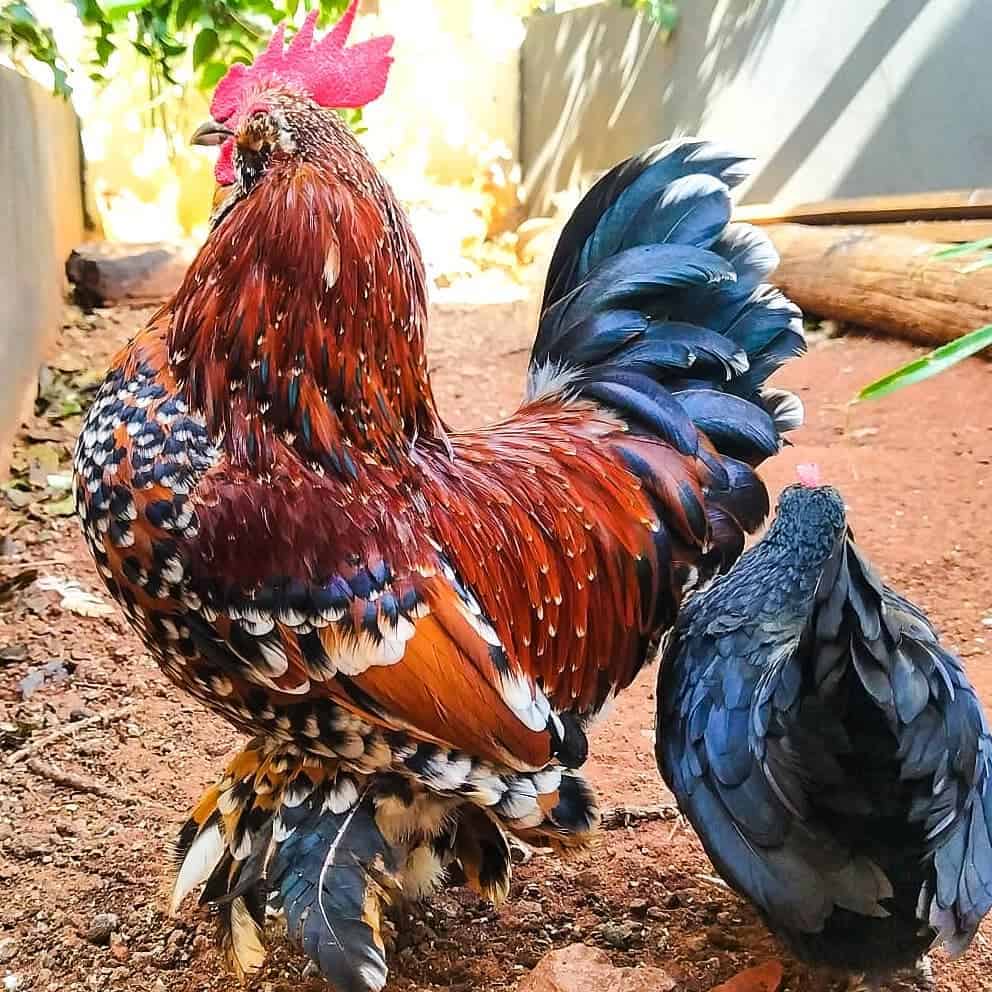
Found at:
[829, 750]
[416, 625]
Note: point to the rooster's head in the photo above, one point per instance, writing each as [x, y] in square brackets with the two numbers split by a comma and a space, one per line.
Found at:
[302, 316]
[279, 109]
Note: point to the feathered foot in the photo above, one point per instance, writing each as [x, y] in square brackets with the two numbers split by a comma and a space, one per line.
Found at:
[918, 979]
[304, 840]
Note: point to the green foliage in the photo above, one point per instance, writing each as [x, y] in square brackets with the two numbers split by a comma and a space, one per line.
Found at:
[944, 357]
[664, 13]
[163, 32]
[930, 364]
[982, 247]
[21, 36]
[211, 33]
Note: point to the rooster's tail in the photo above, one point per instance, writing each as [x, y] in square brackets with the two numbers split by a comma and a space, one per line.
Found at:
[656, 308]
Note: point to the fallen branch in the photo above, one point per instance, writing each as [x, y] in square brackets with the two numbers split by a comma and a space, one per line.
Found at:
[67, 730]
[621, 817]
[881, 281]
[77, 783]
[104, 274]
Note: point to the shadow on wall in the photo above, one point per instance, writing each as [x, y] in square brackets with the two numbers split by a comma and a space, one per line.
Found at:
[619, 92]
[852, 98]
[949, 83]
[847, 81]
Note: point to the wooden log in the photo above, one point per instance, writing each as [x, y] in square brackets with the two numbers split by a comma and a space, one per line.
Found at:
[961, 204]
[881, 281]
[106, 274]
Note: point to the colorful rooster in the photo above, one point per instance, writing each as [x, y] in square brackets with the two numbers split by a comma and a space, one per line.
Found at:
[829, 750]
[416, 625]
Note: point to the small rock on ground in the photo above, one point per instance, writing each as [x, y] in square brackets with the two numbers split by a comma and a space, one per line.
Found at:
[765, 977]
[101, 927]
[579, 968]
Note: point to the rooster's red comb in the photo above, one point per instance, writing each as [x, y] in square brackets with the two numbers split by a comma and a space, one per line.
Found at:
[328, 72]
[809, 475]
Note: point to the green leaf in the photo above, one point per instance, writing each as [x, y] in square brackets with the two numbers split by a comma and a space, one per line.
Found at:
[205, 45]
[187, 11]
[968, 248]
[930, 364]
[117, 10]
[61, 82]
[20, 13]
[104, 49]
[212, 74]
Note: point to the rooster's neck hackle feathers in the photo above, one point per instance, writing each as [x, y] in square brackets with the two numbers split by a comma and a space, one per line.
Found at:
[302, 318]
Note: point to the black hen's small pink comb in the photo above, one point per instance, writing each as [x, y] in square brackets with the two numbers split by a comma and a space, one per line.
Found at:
[809, 475]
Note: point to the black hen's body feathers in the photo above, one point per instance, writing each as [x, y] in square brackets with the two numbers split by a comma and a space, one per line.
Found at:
[831, 754]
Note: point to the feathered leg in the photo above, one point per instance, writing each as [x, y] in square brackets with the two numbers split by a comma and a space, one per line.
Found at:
[302, 837]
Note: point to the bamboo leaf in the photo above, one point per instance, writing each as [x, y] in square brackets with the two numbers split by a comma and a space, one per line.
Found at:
[968, 248]
[205, 45]
[930, 364]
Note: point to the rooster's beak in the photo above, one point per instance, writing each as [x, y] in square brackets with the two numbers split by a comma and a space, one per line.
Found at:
[211, 133]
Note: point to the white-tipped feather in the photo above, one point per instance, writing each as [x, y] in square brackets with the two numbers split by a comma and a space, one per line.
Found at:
[201, 859]
[550, 381]
[785, 408]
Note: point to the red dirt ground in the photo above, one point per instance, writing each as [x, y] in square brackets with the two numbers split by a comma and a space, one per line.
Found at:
[916, 469]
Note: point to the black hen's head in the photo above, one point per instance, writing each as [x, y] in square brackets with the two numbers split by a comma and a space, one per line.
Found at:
[810, 520]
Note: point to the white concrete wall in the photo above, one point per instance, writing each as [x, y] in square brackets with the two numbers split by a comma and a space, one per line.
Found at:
[847, 98]
[41, 219]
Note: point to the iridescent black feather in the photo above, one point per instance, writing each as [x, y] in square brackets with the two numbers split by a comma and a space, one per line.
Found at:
[829, 751]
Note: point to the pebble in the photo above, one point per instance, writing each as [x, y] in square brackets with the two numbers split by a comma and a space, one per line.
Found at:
[638, 907]
[119, 951]
[588, 879]
[101, 927]
[8, 948]
[621, 936]
[656, 913]
[33, 845]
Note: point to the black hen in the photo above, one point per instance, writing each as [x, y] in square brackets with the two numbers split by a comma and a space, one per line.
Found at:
[829, 751]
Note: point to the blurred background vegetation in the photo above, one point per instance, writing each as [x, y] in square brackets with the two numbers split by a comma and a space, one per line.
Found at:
[139, 76]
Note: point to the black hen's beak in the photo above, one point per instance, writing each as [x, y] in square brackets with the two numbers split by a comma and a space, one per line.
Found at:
[211, 133]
